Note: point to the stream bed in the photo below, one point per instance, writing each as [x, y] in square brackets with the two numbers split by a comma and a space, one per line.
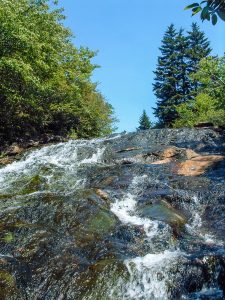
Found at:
[133, 216]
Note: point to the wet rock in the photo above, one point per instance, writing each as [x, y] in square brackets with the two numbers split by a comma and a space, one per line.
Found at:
[61, 238]
[128, 149]
[32, 144]
[101, 223]
[102, 194]
[170, 152]
[6, 160]
[101, 277]
[14, 150]
[8, 287]
[163, 161]
[190, 154]
[162, 211]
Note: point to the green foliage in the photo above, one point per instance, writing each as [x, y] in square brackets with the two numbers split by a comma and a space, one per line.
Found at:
[211, 76]
[179, 58]
[144, 121]
[209, 105]
[45, 81]
[210, 10]
[202, 109]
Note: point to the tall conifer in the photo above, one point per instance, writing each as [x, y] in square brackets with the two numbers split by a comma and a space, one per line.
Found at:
[198, 48]
[166, 79]
[180, 56]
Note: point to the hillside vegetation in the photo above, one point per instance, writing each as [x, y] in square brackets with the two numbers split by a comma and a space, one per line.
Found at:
[45, 81]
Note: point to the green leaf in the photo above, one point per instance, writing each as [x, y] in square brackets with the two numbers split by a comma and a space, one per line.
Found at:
[221, 14]
[214, 19]
[204, 13]
[196, 10]
[191, 6]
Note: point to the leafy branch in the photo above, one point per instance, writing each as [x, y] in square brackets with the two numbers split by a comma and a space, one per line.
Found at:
[209, 10]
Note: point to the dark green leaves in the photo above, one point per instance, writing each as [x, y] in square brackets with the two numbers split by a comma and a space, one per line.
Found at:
[194, 5]
[221, 14]
[214, 19]
[205, 13]
[196, 10]
[210, 10]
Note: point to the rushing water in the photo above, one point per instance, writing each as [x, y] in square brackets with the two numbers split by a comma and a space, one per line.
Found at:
[159, 264]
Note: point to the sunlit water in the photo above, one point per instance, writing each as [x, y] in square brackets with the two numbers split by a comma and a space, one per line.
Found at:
[151, 275]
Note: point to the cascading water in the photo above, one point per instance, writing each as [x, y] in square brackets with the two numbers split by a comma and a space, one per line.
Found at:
[52, 163]
[79, 223]
[149, 274]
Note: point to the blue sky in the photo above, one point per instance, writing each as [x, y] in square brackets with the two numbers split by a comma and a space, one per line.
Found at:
[127, 34]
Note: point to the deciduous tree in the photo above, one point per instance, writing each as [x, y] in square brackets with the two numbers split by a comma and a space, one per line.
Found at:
[45, 81]
[209, 10]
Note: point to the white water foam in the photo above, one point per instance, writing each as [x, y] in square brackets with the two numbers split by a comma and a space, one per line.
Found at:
[194, 227]
[61, 162]
[125, 211]
[150, 277]
[95, 158]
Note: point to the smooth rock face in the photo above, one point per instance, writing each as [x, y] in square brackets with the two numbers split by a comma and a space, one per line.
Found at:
[131, 216]
[198, 165]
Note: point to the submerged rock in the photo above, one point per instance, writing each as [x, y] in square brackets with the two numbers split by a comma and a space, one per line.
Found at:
[162, 211]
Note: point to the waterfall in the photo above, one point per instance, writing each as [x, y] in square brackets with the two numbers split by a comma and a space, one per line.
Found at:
[97, 226]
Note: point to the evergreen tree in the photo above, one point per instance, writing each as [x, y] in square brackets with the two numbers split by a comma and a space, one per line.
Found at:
[183, 80]
[198, 48]
[168, 77]
[174, 85]
[144, 122]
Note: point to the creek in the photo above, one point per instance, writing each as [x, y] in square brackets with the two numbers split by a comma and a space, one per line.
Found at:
[113, 218]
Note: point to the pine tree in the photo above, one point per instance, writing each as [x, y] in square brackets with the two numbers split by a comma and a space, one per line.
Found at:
[183, 80]
[198, 48]
[144, 121]
[168, 76]
[180, 56]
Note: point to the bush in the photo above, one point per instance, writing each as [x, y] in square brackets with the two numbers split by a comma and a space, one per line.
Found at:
[202, 109]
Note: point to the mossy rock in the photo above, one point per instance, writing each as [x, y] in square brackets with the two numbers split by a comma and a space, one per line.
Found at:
[98, 281]
[102, 223]
[5, 196]
[8, 289]
[8, 237]
[36, 183]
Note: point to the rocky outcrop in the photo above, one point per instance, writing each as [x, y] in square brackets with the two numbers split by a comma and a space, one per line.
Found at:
[198, 165]
[187, 162]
